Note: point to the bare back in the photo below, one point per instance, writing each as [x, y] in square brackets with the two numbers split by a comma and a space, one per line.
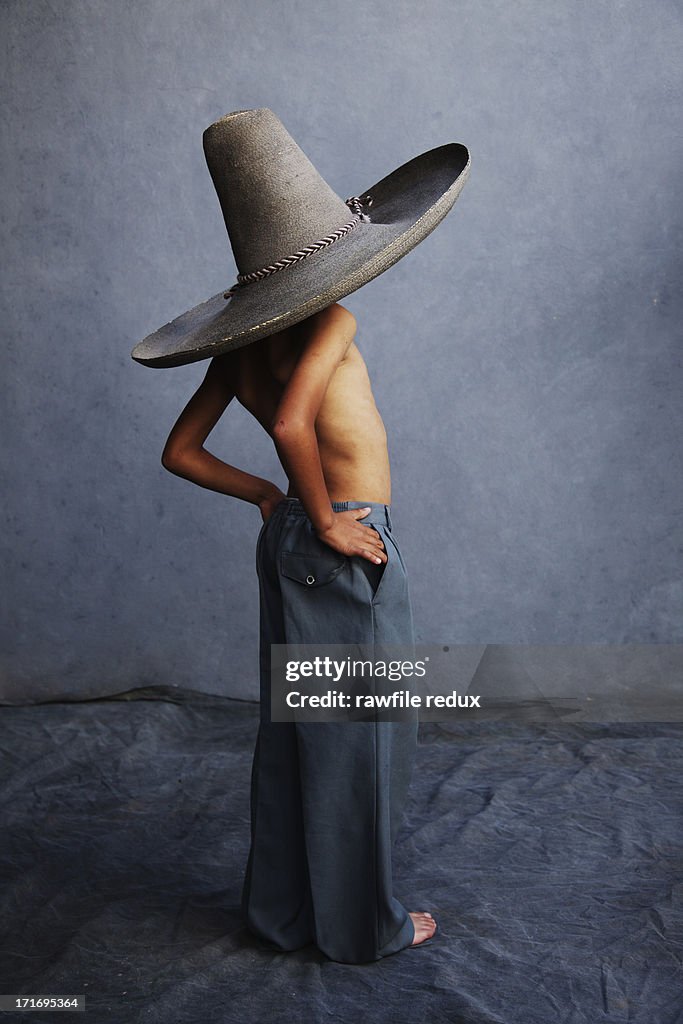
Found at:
[351, 436]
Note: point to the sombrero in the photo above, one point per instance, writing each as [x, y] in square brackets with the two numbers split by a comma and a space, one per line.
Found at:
[298, 246]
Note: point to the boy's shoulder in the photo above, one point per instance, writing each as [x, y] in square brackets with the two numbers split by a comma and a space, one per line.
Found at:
[336, 313]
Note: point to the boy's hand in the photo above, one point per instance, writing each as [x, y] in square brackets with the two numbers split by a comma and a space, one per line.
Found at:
[350, 537]
[267, 505]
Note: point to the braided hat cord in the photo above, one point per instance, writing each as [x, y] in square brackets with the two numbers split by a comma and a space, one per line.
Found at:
[355, 203]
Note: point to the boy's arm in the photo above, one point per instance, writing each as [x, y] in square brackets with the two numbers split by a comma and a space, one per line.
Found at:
[328, 336]
[184, 454]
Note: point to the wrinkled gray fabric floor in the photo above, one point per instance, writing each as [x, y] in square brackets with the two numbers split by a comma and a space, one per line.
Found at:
[551, 856]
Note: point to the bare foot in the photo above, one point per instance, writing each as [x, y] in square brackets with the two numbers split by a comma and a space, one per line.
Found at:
[425, 926]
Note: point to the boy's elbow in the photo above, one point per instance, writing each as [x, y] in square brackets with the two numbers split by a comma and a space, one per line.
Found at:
[284, 430]
[171, 460]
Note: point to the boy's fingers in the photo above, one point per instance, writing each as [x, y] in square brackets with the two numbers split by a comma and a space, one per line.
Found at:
[373, 536]
[378, 554]
[372, 556]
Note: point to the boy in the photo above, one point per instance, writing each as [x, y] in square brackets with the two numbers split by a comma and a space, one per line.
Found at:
[326, 798]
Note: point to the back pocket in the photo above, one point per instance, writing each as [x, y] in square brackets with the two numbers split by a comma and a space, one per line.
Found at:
[312, 569]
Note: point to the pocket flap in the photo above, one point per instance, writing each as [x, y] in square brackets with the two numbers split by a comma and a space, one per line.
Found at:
[313, 570]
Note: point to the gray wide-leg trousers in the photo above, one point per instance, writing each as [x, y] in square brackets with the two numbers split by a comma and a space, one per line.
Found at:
[327, 798]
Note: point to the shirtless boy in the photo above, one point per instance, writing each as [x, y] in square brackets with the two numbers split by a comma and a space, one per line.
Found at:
[308, 387]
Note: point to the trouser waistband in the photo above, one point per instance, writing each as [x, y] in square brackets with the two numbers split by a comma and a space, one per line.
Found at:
[378, 513]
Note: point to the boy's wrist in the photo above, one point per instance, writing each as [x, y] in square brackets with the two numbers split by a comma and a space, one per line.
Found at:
[324, 526]
[268, 492]
[268, 504]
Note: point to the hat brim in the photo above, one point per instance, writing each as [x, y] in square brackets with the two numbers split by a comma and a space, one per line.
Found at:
[406, 206]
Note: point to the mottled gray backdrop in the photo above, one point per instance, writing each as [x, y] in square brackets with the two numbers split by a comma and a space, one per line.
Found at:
[526, 357]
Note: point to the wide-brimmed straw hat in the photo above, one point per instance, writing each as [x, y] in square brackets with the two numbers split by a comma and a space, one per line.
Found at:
[298, 247]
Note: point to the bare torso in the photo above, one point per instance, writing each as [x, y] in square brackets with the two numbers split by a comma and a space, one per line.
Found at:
[352, 440]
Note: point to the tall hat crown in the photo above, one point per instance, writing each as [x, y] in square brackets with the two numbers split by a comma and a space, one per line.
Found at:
[273, 199]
